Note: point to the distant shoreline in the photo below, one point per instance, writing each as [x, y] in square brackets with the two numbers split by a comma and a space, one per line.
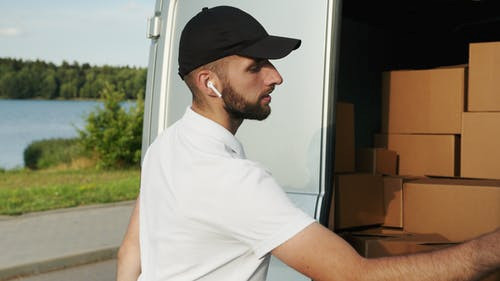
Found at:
[60, 99]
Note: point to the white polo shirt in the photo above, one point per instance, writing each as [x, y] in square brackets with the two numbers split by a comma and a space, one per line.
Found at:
[206, 212]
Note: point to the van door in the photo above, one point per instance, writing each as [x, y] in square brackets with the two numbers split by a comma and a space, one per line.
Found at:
[296, 142]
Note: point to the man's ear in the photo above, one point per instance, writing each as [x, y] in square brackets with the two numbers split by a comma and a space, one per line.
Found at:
[202, 78]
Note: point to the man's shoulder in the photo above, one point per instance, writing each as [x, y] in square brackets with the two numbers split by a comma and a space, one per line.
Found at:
[159, 143]
[244, 165]
[165, 134]
[243, 172]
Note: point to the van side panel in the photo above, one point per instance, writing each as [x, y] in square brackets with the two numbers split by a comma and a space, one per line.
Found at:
[289, 141]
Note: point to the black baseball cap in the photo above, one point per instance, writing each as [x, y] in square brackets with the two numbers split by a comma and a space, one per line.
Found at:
[223, 31]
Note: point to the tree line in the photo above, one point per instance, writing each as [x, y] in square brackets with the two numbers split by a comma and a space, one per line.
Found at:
[42, 80]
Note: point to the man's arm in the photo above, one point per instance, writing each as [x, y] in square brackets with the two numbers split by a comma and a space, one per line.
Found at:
[322, 255]
[129, 256]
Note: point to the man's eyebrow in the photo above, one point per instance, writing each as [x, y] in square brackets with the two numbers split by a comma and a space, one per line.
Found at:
[260, 61]
[257, 62]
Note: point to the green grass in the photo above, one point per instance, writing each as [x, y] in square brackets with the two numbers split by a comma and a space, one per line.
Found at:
[24, 191]
[42, 154]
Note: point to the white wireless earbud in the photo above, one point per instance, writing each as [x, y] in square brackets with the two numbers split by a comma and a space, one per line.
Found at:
[211, 86]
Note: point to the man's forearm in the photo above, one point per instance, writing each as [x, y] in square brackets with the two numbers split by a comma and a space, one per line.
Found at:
[467, 261]
[128, 265]
[129, 258]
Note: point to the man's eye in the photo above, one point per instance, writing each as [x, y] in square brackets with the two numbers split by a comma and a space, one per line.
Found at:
[255, 68]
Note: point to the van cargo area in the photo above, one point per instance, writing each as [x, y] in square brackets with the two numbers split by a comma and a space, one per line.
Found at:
[423, 78]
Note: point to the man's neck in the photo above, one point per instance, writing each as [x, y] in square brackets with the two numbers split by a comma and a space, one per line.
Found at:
[222, 117]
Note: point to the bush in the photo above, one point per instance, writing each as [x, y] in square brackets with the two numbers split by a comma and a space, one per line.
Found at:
[112, 134]
[48, 153]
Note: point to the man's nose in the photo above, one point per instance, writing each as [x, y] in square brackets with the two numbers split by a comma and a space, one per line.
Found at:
[273, 76]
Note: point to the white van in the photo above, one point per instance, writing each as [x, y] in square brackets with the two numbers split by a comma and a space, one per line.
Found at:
[345, 47]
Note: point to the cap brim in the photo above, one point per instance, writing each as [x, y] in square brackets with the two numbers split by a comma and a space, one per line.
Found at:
[271, 47]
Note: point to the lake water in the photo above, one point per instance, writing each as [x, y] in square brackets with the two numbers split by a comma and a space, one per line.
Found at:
[24, 121]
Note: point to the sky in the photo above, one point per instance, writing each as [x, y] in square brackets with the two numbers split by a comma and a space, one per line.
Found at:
[98, 32]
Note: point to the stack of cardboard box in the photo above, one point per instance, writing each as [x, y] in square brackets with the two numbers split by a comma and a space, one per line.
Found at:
[351, 209]
[422, 119]
[434, 163]
[481, 122]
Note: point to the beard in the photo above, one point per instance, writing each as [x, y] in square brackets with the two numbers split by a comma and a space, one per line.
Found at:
[238, 107]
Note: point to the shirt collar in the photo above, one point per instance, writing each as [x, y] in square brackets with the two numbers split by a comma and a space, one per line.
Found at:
[213, 129]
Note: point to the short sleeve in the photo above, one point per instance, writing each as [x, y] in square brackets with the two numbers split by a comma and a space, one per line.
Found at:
[248, 205]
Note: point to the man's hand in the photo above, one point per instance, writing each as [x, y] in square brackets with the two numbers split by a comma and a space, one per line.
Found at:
[322, 255]
[129, 256]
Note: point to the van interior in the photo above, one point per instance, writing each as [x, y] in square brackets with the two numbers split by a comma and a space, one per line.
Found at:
[377, 36]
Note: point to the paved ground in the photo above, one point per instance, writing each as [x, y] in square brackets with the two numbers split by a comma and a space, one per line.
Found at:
[46, 241]
[101, 271]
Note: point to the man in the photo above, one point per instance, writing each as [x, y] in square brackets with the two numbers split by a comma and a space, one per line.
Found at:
[208, 213]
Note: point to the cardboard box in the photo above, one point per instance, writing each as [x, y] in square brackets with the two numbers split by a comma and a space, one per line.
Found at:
[379, 243]
[481, 145]
[344, 138]
[484, 73]
[427, 101]
[458, 209]
[420, 155]
[358, 201]
[377, 161]
[393, 200]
